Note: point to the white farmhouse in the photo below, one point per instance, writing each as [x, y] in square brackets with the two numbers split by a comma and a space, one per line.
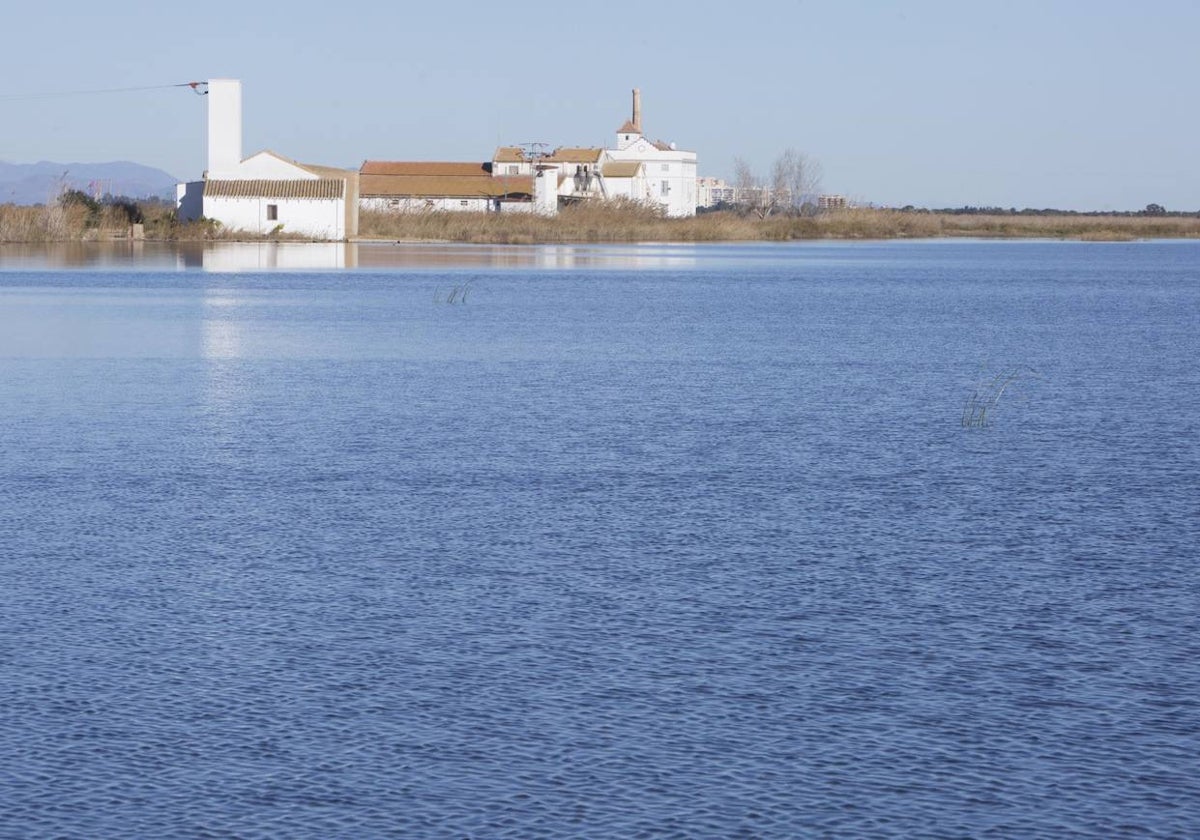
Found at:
[516, 180]
[265, 192]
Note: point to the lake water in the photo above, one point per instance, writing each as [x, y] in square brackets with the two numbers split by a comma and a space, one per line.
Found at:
[644, 541]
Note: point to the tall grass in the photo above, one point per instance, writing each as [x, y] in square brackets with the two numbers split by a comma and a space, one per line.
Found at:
[612, 222]
[606, 223]
[59, 222]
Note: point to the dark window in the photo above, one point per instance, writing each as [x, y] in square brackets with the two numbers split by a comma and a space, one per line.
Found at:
[272, 212]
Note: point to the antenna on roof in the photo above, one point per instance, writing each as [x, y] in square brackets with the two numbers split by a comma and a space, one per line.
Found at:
[534, 150]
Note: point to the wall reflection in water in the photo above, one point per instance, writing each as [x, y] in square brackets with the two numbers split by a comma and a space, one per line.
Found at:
[232, 257]
[269, 256]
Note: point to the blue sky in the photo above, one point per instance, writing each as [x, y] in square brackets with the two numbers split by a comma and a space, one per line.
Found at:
[1084, 105]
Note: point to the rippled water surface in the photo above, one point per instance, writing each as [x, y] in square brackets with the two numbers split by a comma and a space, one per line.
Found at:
[675, 542]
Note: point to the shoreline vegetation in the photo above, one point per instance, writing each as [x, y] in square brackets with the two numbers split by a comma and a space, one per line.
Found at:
[77, 219]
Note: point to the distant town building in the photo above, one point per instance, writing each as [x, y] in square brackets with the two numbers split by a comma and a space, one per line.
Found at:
[832, 202]
[265, 192]
[713, 191]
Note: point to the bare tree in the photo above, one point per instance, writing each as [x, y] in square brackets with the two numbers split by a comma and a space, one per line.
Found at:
[798, 179]
[793, 185]
[751, 193]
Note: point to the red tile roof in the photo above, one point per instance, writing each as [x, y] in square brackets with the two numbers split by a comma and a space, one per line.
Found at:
[255, 188]
[569, 154]
[451, 186]
[509, 154]
[432, 168]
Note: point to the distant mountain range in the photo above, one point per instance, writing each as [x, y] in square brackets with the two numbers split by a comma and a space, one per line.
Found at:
[37, 183]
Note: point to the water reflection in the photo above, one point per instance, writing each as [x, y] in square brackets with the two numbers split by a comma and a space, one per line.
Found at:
[421, 255]
[232, 257]
[220, 336]
[266, 256]
[119, 253]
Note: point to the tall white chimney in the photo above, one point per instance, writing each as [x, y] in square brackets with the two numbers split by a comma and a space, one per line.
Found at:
[224, 127]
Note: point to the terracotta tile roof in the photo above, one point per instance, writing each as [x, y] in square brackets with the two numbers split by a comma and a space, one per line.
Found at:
[621, 168]
[629, 128]
[431, 167]
[456, 186]
[509, 154]
[663, 147]
[568, 154]
[254, 188]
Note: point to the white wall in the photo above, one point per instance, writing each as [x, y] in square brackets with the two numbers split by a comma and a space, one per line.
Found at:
[545, 191]
[475, 204]
[670, 175]
[522, 168]
[320, 218]
[189, 201]
[635, 188]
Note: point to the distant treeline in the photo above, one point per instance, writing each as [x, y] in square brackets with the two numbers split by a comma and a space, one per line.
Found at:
[1155, 210]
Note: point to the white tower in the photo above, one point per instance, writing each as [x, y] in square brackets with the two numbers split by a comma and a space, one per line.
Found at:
[224, 127]
[545, 190]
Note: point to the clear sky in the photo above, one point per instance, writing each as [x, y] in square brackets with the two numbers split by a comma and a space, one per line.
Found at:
[1054, 103]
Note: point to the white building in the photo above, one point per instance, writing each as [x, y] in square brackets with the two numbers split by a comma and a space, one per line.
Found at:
[637, 169]
[670, 173]
[266, 192]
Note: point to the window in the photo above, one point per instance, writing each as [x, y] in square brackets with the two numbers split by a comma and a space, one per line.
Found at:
[666, 167]
[272, 212]
[514, 169]
[666, 187]
[462, 203]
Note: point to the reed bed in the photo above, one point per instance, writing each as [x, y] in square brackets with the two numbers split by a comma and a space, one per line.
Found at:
[624, 222]
[57, 222]
[599, 223]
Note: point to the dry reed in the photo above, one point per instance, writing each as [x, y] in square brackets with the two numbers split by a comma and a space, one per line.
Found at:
[625, 222]
[598, 223]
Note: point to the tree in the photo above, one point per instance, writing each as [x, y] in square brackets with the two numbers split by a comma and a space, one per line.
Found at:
[69, 198]
[793, 185]
[750, 194]
[797, 180]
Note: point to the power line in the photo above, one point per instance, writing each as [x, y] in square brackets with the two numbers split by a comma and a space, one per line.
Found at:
[199, 88]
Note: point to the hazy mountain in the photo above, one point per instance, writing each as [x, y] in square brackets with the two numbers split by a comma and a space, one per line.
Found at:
[36, 183]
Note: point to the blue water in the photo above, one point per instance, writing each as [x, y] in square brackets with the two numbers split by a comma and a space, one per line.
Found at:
[686, 542]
